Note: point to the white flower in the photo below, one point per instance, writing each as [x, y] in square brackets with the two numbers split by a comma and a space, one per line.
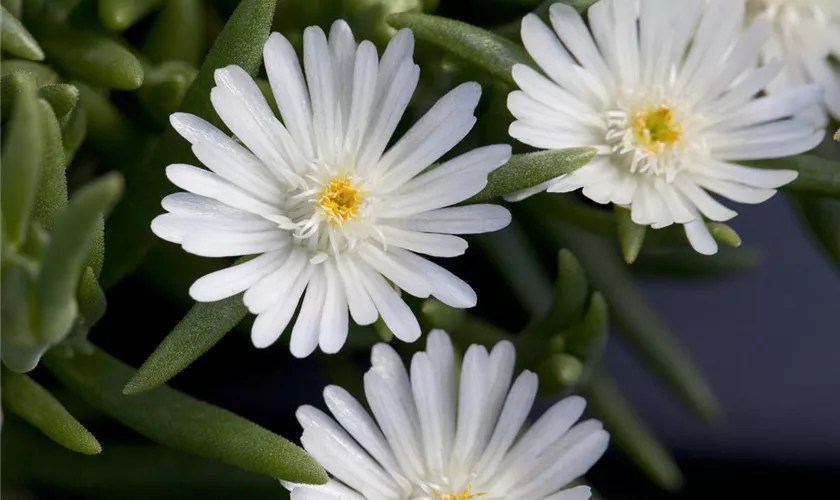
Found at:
[666, 92]
[434, 438]
[327, 208]
[806, 33]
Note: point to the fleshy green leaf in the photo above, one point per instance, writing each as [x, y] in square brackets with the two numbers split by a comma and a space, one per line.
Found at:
[629, 433]
[177, 33]
[240, 43]
[690, 263]
[21, 349]
[63, 98]
[816, 175]
[527, 170]
[822, 217]
[43, 74]
[73, 132]
[439, 315]
[15, 7]
[630, 235]
[201, 329]
[16, 40]
[20, 165]
[837, 135]
[72, 238]
[570, 293]
[639, 324]
[560, 373]
[52, 192]
[164, 88]
[179, 421]
[31, 402]
[587, 339]
[487, 50]
[109, 133]
[91, 57]
[118, 15]
[368, 16]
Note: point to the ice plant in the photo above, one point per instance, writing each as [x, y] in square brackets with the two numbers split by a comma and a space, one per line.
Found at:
[667, 91]
[332, 214]
[806, 35]
[433, 437]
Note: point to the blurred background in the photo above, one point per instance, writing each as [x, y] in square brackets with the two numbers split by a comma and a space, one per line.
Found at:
[767, 340]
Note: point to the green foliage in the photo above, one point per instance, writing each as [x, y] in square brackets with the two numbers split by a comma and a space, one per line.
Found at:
[16, 40]
[630, 235]
[817, 176]
[177, 420]
[118, 15]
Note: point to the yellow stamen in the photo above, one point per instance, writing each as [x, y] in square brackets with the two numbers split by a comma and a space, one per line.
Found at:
[340, 200]
[656, 130]
[464, 495]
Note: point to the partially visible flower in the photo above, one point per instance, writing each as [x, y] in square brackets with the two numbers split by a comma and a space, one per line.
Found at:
[332, 215]
[806, 34]
[433, 437]
[667, 94]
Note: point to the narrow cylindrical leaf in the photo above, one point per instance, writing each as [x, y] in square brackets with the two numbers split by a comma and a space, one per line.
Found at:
[109, 133]
[439, 315]
[15, 7]
[73, 132]
[91, 301]
[560, 373]
[640, 326]
[164, 89]
[91, 57]
[16, 40]
[570, 293]
[822, 217]
[240, 42]
[816, 175]
[179, 421]
[587, 339]
[20, 347]
[630, 235]
[63, 98]
[201, 329]
[177, 33]
[629, 433]
[487, 50]
[690, 263]
[42, 74]
[22, 156]
[75, 230]
[368, 16]
[527, 170]
[118, 15]
[31, 402]
[51, 198]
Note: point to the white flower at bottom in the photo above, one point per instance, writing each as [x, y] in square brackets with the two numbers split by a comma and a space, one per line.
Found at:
[666, 91]
[333, 216]
[433, 437]
[806, 33]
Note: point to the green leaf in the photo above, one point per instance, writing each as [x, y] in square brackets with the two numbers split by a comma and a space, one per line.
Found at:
[21, 349]
[20, 165]
[172, 418]
[31, 402]
[73, 132]
[560, 373]
[822, 218]
[639, 324]
[15, 7]
[512, 29]
[439, 315]
[816, 175]
[51, 198]
[485, 49]
[63, 98]
[837, 135]
[43, 74]
[687, 262]
[16, 40]
[530, 169]
[91, 57]
[92, 304]
[164, 89]
[240, 42]
[570, 293]
[630, 235]
[201, 329]
[118, 15]
[586, 341]
[629, 433]
[368, 17]
[177, 33]
[75, 230]
[109, 133]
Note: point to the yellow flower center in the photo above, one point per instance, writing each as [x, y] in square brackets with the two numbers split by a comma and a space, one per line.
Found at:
[655, 129]
[464, 495]
[340, 200]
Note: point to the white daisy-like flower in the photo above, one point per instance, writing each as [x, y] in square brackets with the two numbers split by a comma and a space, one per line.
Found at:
[806, 34]
[433, 437]
[333, 214]
[666, 91]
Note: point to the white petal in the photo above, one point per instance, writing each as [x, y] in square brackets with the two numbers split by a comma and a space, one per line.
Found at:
[304, 338]
[576, 493]
[448, 288]
[289, 89]
[710, 207]
[210, 185]
[700, 237]
[235, 279]
[734, 191]
[394, 312]
[272, 321]
[573, 33]
[334, 322]
[751, 176]
[365, 75]
[436, 245]
[343, 51]
[322, 91]
[442, 191]
[409, 279]
[233, 244]
[271, 289]
[471, 219]
[358, 300]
